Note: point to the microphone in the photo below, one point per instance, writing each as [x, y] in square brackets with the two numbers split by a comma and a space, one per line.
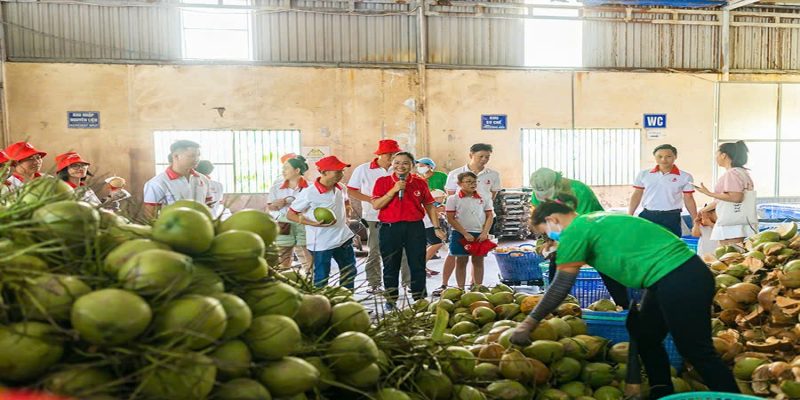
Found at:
[402, 192]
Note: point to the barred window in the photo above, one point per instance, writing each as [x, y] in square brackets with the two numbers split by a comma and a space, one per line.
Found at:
[244, 161]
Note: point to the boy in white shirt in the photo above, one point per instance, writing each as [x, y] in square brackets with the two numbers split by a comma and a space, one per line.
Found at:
[470, 215]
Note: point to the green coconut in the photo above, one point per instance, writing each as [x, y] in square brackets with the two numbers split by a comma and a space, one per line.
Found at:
[597, 374]
[325, 373]
[28, 349]
[433, 384]
[242, 389]
[191, 204]
[351, 351]
[463, 327]
[575, 389]
[608, 393]
[79, 381]
[314, 313]
[154, 272]
[257, 274]
[48, 188]
[391, 394]
[256, 221]
[185, 230]
[458, 362]
[680, 385]
[737, 271]
[506, 311]
[553, 394]
[546, 351]
[595, 345]
[237, 251]
[604, 305]
[452, 294]
[725, 280]
[619, 353]
[194, 320]
[349, 317]
[271, 337]
[485, 371]
[51, 296]
[232, 360]
[239, 316]
[563, 329]
[110, 316]
[466, 392]
[483, 315]
[514, 365]
[621, 371]
[566, 369]
[507, 389]
[71, 221]
[274, 298]
[364, 378]
[575, 348]
[500, 298]
[205, 282]
[790, 388]
[744, 367]
[122, 253]
[447, 305]
[288, 376]
[791, 274]
[189, 376]
[502, 288]
[577, 325]
[471, 297]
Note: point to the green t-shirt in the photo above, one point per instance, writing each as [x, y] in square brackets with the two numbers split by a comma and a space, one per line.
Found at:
[587, 201]
[437, 180]
[631, 250]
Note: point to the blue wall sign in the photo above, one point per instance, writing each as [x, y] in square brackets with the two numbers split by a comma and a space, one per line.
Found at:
[655, 121]
[83, 119]
[493, 121]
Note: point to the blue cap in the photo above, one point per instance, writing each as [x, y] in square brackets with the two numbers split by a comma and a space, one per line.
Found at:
[427, 161]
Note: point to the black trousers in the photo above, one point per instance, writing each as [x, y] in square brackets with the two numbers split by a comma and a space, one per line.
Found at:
[394, 238]
[680, 304]
[618, 291]
[668, 219]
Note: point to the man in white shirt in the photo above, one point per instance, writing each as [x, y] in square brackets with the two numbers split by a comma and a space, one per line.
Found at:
[488, 186]
[663, 191]
[179, 182]
[360, 186]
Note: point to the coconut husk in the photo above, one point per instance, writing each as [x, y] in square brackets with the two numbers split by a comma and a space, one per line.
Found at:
[744, 293]
[773, 249]
[778, 317]
[753, 264]
[754, 334]
[754, 318]
[728, 317]
[726, 301]
[767, 295]
[709, 259]
[770, 345]
[788, 305]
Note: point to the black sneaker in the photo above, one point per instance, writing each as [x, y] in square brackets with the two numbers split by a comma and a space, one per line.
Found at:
[375, 290]
[438, 292]
[389, 307]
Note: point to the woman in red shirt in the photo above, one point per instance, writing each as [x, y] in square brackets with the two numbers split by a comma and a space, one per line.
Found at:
[402, 200]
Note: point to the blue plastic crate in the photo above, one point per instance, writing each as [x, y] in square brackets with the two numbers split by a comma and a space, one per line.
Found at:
[710, 396]
[611, 325]
[519, 265]
[691, 241]
[779, 211]
[588, 288]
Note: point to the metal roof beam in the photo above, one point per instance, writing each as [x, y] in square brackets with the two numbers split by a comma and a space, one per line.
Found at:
[732, 5]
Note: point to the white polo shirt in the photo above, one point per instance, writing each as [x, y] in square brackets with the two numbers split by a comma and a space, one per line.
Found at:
[663, 192]
[16, 181]
[470, 211]
[488, 181]
[317, 195]
[363, 180]
[281, 190]
[169, 187]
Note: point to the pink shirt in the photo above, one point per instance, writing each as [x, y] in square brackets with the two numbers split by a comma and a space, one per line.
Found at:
[734, 180]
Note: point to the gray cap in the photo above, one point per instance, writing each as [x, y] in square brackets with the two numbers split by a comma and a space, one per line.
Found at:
[543, 181]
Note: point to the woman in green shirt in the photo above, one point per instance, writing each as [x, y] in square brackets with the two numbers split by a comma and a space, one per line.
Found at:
[638, 254]
[547, 184]
[426, 168]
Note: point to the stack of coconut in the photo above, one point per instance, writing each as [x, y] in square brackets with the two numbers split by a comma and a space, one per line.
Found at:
[757, 308]
[97, 308]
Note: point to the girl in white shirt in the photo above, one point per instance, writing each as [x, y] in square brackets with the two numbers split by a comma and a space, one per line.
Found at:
[292, 235]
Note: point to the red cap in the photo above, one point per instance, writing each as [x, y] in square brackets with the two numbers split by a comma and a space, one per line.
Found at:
[22, 150]
[67, 159]
[3, 157]
[287, 157]
[388, 146]
[331, 163]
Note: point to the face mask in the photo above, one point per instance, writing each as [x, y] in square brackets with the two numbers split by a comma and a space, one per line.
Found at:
[553, 231]
[423, 170]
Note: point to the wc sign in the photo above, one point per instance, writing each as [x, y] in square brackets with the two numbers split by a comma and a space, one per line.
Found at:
[655, 121]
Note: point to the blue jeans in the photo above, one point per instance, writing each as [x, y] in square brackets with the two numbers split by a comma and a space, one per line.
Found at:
[346, 259]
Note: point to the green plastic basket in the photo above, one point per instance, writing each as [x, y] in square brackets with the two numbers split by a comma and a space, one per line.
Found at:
[710, 396]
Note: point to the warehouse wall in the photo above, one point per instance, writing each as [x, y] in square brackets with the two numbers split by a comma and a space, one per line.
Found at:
[349, 110]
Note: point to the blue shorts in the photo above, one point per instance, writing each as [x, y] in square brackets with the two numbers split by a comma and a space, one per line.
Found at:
[456, 249]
